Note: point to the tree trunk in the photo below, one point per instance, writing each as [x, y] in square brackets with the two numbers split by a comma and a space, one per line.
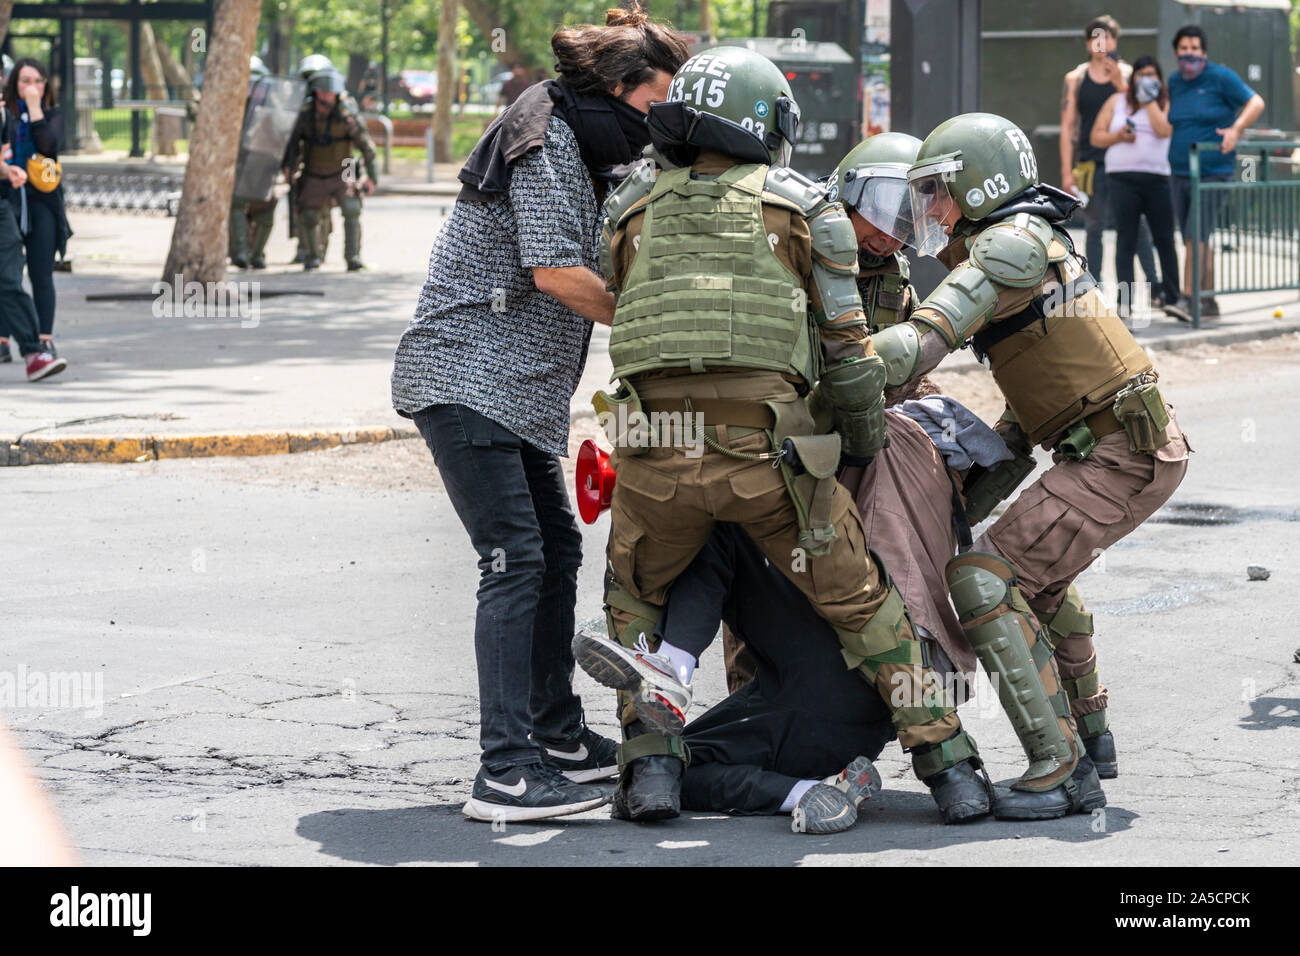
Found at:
[198, 249]
[706, 21]
[500, 40]
[6, 9]
[178, 78]
[448, 73]
[155, 83]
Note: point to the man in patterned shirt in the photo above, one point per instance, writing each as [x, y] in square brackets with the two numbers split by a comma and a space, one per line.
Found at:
[487, 369]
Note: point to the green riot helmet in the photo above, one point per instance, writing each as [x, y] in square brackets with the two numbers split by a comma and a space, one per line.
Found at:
[976, 163]
[326, 81]
[731, 100]
[313, 64]
[872, 179]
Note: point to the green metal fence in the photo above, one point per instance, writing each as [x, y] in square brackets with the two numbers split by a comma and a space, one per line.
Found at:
[1252, 223]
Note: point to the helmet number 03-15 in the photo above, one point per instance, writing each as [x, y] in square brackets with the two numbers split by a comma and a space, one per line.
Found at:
[705, 91]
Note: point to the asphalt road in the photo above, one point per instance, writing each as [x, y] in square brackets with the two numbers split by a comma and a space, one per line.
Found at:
[278, 667]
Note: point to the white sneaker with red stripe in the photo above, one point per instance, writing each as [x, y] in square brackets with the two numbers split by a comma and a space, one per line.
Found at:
[42, 365]
[661, 697]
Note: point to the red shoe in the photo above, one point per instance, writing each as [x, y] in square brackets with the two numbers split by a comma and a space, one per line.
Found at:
[42, 365]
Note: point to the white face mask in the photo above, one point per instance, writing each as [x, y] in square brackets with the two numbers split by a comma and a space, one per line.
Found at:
[1147, 88]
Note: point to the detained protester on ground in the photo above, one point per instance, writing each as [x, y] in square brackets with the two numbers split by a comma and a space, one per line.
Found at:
[1075, 381]
[736, 294]
[487, 369]
[803, 715]
[1208, 103]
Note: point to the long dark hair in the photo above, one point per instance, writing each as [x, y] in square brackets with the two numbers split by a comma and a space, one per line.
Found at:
[629, 49]
[12, 98]
[1141, 64]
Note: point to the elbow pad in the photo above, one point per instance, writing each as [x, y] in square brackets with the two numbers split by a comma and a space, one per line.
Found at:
[899, 347]
[856, 393]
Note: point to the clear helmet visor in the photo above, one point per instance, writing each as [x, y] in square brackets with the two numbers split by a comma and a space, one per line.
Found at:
[886, 203]
[931, 205]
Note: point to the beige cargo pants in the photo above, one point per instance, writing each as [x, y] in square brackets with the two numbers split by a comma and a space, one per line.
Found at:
[1074, 511]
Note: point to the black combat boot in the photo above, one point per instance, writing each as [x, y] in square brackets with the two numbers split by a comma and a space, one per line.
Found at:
[1101, 749]
[649, 788]
[1082, 795]
[963, 792]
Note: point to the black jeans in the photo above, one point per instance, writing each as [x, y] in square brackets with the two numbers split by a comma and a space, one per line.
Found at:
[1099, 216]
[40, 242]
[804, 715]
[1133, 195]
[17, 314]
[511, 498]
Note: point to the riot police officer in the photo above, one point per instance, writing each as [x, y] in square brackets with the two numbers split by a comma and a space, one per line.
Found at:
[1075, 381]
[323, 144]
[250, 219]
[735, 282]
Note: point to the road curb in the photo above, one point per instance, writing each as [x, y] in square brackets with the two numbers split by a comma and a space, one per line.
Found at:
[126, 449]
[1224, 336]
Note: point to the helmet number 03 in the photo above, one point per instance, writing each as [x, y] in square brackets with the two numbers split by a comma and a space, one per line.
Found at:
[754, 126]
[997, 186]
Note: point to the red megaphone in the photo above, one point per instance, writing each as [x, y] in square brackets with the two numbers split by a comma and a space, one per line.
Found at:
[595, 481]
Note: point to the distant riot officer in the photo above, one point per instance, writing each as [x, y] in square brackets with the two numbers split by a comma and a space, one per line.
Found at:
[1075, 381]
[251, 219]
[321, 157]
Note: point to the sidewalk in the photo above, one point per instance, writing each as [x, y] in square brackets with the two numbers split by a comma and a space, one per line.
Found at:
[311, 369]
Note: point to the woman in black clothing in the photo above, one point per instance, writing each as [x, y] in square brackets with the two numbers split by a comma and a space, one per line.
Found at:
[34, 127]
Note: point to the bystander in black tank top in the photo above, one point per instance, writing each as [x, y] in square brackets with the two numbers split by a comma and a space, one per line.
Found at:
[1089, 99]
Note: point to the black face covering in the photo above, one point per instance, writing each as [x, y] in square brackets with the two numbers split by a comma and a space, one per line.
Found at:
[609, 132]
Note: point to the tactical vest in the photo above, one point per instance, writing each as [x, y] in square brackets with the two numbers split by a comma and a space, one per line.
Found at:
[884, 292]
[329, 142]
[705, 289]
[1069, 356]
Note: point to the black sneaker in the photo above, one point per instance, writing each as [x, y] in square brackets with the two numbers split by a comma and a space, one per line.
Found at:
[4, 351]
[587, 757]
[1210, 307]
[531, 792]
[1180, 309]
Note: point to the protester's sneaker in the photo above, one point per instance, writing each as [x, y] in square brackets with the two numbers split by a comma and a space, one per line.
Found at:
[1180, 310]
[1210, 307]
[42, 365]
[661, 699]
[4, 352]
[530, 792]
[587, 757]
[832, 805]
[47, 345]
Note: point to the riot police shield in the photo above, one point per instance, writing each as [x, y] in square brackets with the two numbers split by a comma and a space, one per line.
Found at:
[269, 118]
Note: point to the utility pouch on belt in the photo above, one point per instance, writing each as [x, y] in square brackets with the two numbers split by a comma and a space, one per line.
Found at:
[1078, 442]
[624, 423]
[1141, 410]
[809, 473]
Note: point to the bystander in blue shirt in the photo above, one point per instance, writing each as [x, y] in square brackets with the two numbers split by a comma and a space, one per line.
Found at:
[1199, 107]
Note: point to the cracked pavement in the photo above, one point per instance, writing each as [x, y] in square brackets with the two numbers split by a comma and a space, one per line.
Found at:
[288, 677]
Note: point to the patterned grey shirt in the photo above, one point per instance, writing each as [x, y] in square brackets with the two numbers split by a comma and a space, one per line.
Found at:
[483, 335]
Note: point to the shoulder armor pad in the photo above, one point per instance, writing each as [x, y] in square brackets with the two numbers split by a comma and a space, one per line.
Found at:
[833, 237]
[1014, 252]
[630, 192]
[835, 266]
[792, 188]
[1060, 246]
